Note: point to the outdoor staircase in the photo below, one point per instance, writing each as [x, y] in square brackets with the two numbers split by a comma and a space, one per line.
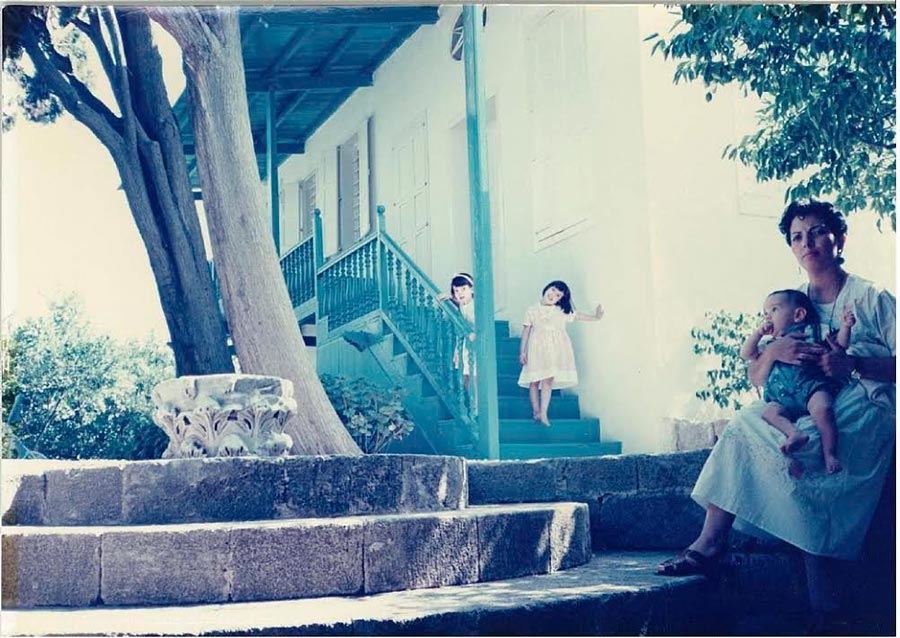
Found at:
[437, 431]
[220, 531]
[371, 312]
[385, 545]
[520, 436]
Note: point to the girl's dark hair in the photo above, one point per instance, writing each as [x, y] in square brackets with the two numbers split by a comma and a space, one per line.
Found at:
[830, 216]
[461, 279]
[565, 302]
[798, 299]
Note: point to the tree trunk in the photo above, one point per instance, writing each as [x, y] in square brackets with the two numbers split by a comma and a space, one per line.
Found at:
[183, 278]
[155, 180]
[265, 331]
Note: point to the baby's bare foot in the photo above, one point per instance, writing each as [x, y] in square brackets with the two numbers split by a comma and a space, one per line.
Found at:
[795, 469]
[832, 464]
[794, 442]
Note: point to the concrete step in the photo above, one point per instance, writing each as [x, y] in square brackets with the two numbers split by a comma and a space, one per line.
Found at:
[301, 558]
[617, 593]
[562, 431]
[227, 489]
[518, 407]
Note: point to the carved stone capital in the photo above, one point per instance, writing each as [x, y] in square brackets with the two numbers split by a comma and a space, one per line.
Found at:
[225, 415]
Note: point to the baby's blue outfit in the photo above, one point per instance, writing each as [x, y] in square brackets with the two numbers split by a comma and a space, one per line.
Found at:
[791, 386]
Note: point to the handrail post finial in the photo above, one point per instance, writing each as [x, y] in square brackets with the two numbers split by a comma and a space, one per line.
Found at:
[380, 218]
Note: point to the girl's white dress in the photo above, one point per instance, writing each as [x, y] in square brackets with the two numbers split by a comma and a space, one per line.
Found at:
[549, 348]
[468, 313]
[827, 515]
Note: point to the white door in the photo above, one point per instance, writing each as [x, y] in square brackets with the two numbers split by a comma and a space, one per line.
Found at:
[411, 204]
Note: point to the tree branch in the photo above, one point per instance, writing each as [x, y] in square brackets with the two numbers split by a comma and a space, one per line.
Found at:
[92, 31]
[187, 26]
[75, 97]
[125, 105]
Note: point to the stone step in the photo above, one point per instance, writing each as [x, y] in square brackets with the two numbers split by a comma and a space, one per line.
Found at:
[228, 489]
[273, 560]
[525, 451]
[617, 593]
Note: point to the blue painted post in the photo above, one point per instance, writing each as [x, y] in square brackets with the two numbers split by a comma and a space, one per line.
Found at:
[379, 256]
[318, 261]
[272, 169]
[485, 343]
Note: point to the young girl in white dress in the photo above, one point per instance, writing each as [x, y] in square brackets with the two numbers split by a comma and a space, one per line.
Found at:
[545, 350]
[462, 294]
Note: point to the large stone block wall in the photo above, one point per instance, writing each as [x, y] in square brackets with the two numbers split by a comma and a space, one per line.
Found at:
[639, 501]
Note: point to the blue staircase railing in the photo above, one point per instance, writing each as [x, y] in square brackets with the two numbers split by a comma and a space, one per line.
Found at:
[299, 269]
[376, 274]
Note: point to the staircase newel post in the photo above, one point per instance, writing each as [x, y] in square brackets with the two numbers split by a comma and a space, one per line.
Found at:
[318, 250]
[380, 261]
[318, 261]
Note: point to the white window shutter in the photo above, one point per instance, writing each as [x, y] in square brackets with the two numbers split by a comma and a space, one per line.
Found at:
[365, 206]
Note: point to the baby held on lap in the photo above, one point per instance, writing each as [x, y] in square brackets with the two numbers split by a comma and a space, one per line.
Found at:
[792, 391]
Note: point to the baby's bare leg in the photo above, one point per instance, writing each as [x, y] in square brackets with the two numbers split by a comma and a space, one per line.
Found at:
[821, 409]
[774, 416]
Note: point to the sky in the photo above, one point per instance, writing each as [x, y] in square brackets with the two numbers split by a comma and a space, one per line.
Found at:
[66, 226]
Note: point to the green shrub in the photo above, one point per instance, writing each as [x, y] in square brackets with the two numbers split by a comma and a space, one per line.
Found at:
[722, 337]
[80, 395]
[373, 416]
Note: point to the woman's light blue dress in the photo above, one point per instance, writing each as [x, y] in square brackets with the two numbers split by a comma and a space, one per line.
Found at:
[826, 515]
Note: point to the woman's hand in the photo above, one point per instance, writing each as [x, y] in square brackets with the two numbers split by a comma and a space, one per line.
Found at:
[598, 313]
[523, 358]
[836, 363]
[795, 350]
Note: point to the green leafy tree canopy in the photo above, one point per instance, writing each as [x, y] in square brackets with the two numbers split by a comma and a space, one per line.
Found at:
[826, 77]
[79, 394]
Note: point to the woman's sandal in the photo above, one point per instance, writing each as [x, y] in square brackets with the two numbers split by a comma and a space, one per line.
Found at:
[690, 562]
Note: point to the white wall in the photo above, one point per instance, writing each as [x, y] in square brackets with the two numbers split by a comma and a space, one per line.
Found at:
[673, 229]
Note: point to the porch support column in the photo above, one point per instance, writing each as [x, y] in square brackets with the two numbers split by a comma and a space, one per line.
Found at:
[272, 168]
[485, 342]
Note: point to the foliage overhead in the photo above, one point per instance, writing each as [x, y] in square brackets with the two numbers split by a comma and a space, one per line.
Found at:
[373, 416]
[826, 78]
[727, 384]
[82, 395]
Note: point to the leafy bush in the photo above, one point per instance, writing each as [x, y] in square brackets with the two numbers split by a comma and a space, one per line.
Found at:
[722, 338]
[81, 395]
[373, 416]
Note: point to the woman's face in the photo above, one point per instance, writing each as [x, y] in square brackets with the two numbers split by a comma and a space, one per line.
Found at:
[814, 245]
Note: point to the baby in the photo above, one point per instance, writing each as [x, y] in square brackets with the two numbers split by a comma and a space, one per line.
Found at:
[795, 390]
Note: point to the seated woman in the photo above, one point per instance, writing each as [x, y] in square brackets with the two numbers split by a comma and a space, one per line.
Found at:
[745, 482]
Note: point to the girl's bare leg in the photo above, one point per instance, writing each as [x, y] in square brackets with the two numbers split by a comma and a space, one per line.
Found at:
[535, 401]
[546, 394]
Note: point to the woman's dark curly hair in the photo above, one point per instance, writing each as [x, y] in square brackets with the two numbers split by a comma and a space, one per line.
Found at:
[830, 216]
[565, 302]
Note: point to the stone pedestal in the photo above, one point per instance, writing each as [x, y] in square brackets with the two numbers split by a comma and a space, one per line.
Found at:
[224, 415]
